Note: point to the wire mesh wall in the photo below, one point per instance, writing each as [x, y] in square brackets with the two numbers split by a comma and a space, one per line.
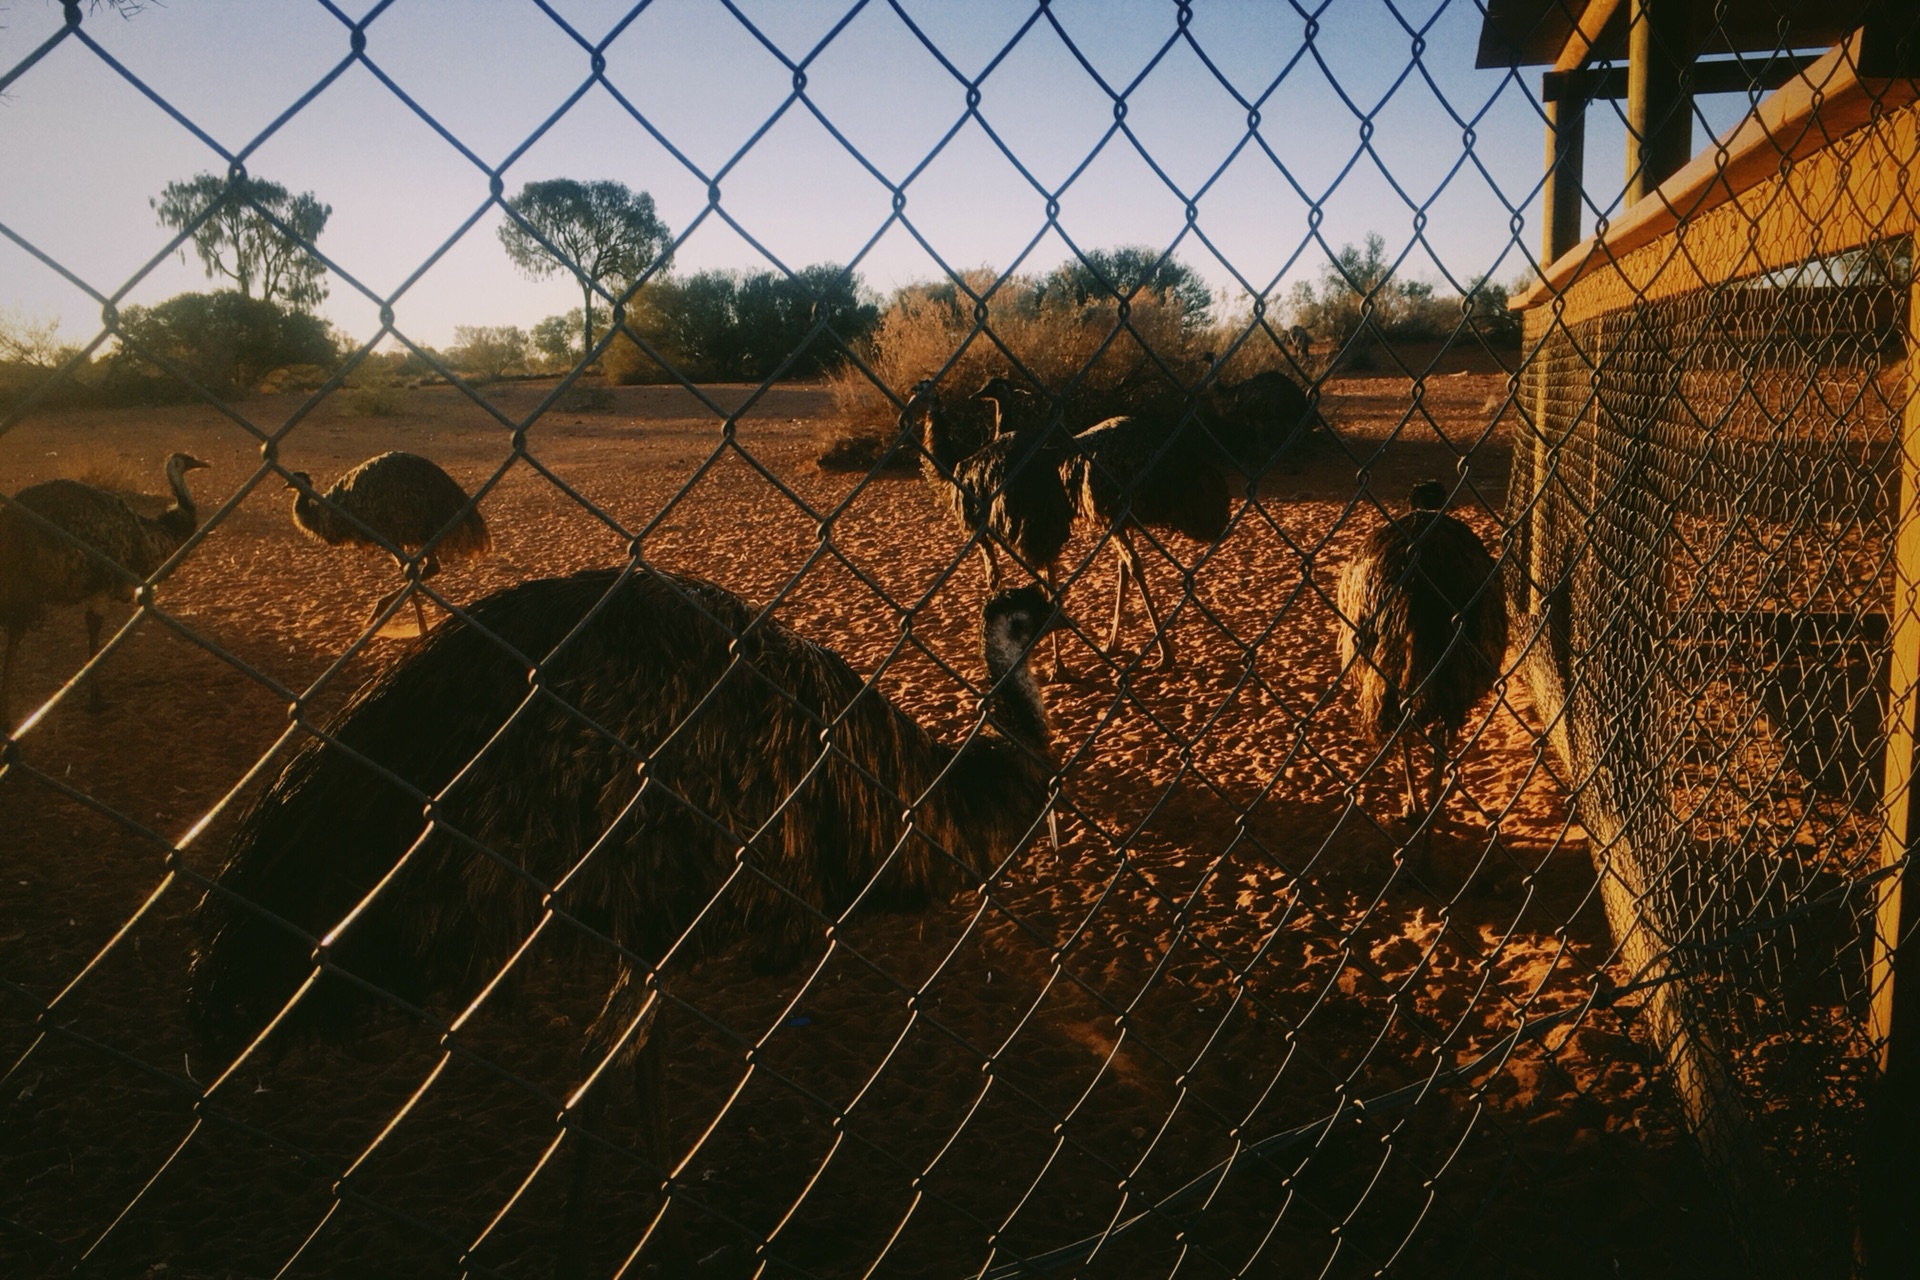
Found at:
[734, 866]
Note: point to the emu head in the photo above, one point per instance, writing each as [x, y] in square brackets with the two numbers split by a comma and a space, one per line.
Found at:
[1428, 495]
[995, 388]
[299, 480]
[181, 463]
[1012, 621]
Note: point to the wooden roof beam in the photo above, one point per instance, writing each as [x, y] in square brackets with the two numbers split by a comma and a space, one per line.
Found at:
[1586, 33]
[1826, 101]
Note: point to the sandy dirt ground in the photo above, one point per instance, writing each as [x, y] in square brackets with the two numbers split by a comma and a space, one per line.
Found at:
[1221, 951]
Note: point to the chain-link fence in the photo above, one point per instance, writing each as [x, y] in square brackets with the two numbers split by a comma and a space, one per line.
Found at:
[721, 866]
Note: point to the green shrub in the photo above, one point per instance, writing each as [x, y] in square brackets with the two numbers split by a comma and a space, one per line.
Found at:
[729, 326]
[225, 342]
[1360, 296]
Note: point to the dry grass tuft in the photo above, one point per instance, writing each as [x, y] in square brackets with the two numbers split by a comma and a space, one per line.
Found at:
[863, 449]
[372, 400]
[116, 473]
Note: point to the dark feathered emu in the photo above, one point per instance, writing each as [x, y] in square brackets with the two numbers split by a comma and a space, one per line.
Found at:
[63, 542]
[1259, 418]
[1423, 629]
[1144, 472]
[403, 504]
[1030, 507]
[675, 727]
[1007, 491]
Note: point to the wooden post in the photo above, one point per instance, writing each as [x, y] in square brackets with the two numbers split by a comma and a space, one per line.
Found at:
[1888, 1241]
[1566, 162]
[1659, 110]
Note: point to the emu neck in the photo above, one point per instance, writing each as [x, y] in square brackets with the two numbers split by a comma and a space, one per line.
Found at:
[314, 516]
[1014, 706]
[934, 436]
[182, 518]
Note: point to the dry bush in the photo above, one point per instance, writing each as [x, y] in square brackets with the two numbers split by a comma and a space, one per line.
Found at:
[863, 449]
[624, 364]
[1077, 351]
[295, 379]
[1262, 349]
[372, 400]
[587, 397]
[114, 472]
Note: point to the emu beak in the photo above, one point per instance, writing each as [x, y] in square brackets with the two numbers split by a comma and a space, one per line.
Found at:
[194, 464]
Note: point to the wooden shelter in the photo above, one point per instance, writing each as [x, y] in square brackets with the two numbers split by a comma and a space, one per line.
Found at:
[1825, 165]
[1659, 54]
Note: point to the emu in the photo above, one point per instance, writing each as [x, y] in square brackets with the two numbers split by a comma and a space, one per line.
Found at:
[96, 550]
[1008, 490]
[685, 774]
[1029, 506]
[403, 504]
[1423, 627]
[1140, 472]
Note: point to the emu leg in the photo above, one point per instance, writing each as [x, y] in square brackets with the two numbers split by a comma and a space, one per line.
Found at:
[1119, 596]
[626, 1032]
[1406, 762]
[1146, 598]
[668, 1253]
[14, 632]
[571, 1264]
[1437, 737]
[1422, 853]
[96, 701]
[429, 565]
[993, 564]
[1059, 671]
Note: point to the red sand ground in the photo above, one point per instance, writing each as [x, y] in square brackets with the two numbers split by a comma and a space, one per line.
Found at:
[1231, 958]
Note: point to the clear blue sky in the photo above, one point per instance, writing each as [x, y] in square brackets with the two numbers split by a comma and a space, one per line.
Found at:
[84, 150]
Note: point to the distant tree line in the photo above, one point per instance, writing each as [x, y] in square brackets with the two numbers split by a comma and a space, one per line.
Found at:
[643, 321]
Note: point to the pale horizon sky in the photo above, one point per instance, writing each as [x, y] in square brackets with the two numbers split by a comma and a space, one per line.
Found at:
[86, 150]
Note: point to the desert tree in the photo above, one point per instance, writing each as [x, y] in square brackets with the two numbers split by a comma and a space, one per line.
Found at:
[488, 351]
[1125, 272]
[604, 233]
[226, 342]
[252, 232]
[32, 344]
[557, 338]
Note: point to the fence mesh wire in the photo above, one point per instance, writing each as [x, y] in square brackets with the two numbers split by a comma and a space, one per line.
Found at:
[655, 956]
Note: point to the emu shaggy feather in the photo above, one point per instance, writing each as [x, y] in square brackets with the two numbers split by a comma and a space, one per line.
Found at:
[1011, 485]
[1423, 623]
[404, 498]
[39, 568]
[717, 734]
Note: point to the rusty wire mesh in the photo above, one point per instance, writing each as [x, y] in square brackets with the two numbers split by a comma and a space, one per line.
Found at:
[1230, 1027]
